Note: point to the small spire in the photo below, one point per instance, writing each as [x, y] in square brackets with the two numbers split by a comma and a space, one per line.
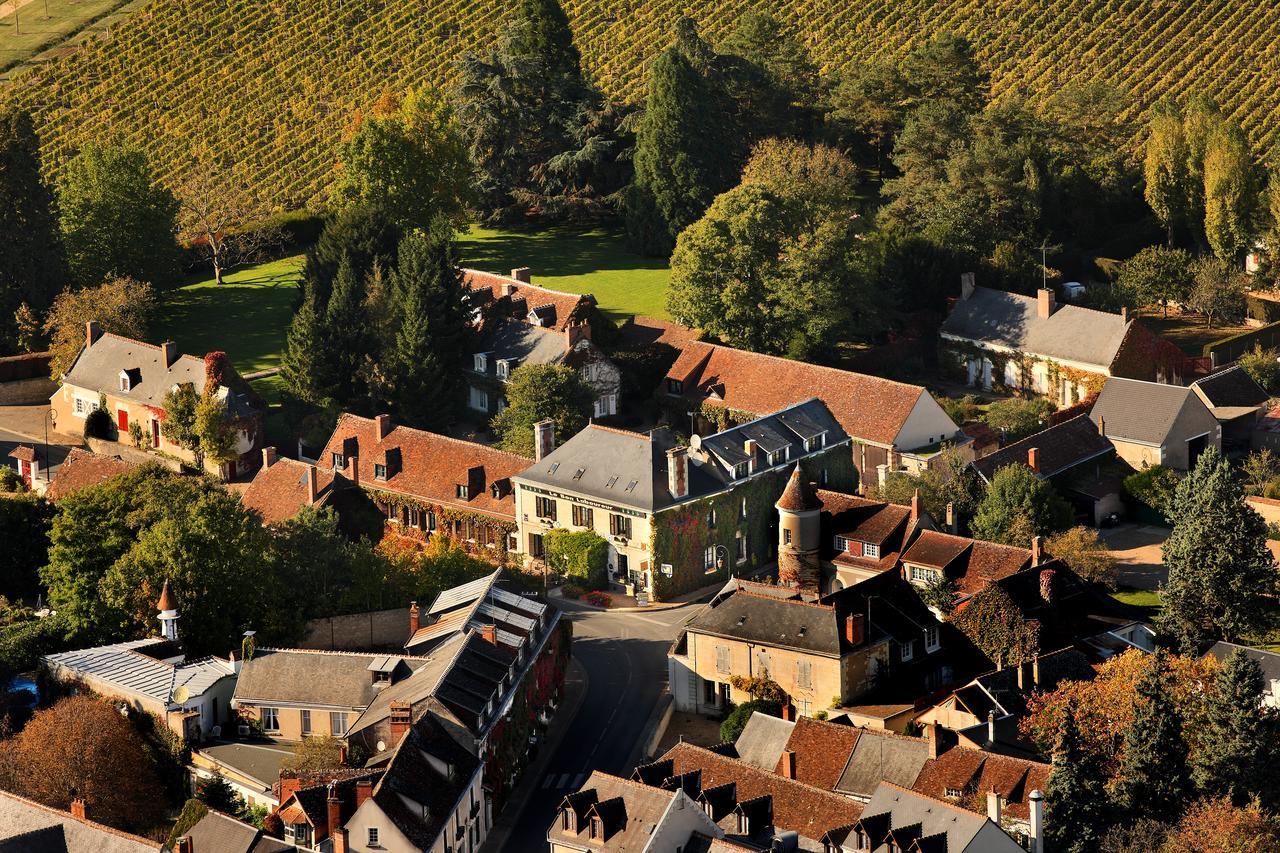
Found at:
[166, 599]
[798, 496]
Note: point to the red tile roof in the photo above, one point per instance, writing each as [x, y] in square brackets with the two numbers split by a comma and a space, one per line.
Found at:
[431, 467]
[23, 453]
[972, 770]
[867, 407]
[862, 519]
[567, 306]
[82, 469]
[974, 563]
[279, 492]
[822, 751]
[798, 496]
[638, 331]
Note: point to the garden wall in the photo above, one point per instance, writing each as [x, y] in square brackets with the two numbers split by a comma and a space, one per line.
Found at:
[104, 447]
[376, 630]
[1226, 350]
[24, 379]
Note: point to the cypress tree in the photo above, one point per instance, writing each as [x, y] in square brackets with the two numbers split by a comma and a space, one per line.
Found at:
[302, 365]
[33, 263]
[346, 339]
[364, 235]
[1236, 752]
[1220, 570]
[1076, 808]
[1154, 780]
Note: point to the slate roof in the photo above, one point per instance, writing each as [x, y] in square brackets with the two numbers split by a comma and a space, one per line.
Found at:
[128, 667]
[29, 827]
[636, 812]
[1269, 661]
[881, 756]
[868, 408]
[279, 492]
[308, 677]
[259, 760]
[1141, 411]
[220, 833]
[522, 343]
[939, 825]
[762, 740]
[1231, 388]
[557, 307]
[1058, 448]
[783, 623]
[492, 600]
[972, 770]
[1011, 320]
[431, 466]
[83, 468]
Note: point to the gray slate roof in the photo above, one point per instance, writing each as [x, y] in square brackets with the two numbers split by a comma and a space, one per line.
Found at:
[1231, 388]
[220, 833]
[128, 667]
[762, 740]
[1141, 411]
[98, 368]
[882, 757]
[1269, 661]
[28, 827]
[335, 679]
[771, 621]
[1010, 320]
[522, 343]
[1058, 448]
[934, 817]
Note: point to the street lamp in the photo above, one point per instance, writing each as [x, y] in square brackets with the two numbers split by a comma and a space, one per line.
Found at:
[722, 556]
[50, 417]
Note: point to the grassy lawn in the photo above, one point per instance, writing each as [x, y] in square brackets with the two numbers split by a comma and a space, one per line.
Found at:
[1188, 331]
[1147, 599]
[34, 31]
[576, 260]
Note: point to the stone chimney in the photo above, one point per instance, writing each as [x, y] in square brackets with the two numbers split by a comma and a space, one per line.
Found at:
[931, 733]
[1045, 303]
[79, 808]
[1036, 801]
[313, 485]
[382, 426]
[1037, 550]
[1021, 669]
[991, 727]
[995, 806]
[952, 527]
[170, 350]
[1033, 459]
[268, 457]
[915, 506]
[364, 790]
[1035, 671]
[750, 447]
[335, 807]
[1102, 426]
[544, 439]
[789, 763]
[1124, 314]
[523, 275]
[854, 629]
[575, 332]
[968, 283]
[415, 615]
[91, 333]
[678, 472]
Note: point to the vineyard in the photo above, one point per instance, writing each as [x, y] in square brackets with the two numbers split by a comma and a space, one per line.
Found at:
[274, 82]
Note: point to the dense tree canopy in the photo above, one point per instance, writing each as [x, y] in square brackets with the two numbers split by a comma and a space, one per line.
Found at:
[537, 392]
[124, 306]
[1019, 505]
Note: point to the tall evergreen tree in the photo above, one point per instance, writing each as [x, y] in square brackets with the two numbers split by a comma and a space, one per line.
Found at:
[1154, 780]
[346, 337]
[33, 263]
[1237, 753]
[1220, 570]
[1076, 805]
[364, 235]
[302, 367]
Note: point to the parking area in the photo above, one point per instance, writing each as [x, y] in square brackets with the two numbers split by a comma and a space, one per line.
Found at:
[1137, 548]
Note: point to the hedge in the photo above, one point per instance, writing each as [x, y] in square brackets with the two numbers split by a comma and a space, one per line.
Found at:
[579, 554]
[1228, 349]
[22, 644]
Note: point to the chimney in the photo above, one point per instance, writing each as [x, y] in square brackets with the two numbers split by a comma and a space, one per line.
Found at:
[787, 712]
[789, 763]
[575, 332]
[1021, 668]
[951, 518]
[489, 633]
[522, 275]
[678, 472]
[991, 727]
[1102, 426]
[1033, 459]
[339, 837]
[414, 615]
[313, 487]
[1036, 800]
[268, 457]
[544, 439]
[1046, 584]
[170, 350]
[233, 663]
[931, 732]
[1124, 314]
[854, 628]
[401, 714]
[749, 447]
[1045, 303]
[364, 790]
[79, 809]
[967, 285]
[335, 808]
[355, 470]
[289, 786]
[342, 754]
[915, 505]
[184, 845]
[91, 333]
[382, 426]
[1035, 671]
[1037, 550]
[994, 807]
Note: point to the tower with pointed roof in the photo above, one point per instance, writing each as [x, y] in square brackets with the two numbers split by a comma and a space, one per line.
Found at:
[799, 533]
[168, 608]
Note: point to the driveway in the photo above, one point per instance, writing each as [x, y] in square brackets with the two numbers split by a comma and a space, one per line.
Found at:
[1137, 547]
[25, 425]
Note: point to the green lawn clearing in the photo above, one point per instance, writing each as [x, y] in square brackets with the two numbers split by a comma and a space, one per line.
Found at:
[1147, 599]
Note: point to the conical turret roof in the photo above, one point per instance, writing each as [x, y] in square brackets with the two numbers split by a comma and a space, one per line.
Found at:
[798, 496]
[166, 601]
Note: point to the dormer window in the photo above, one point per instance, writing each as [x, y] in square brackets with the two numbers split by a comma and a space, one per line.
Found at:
[816, 442]
[124, 380]
[843, 543]
[675, 386]
[379, 471]
[462, 492]
[870, 550]
[481, 362]
[597, 827]
[741, 470]
[931, 643]
[338, 461]
[744, 825]
[504, 368]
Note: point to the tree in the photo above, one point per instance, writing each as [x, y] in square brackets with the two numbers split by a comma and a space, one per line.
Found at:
[1085, 554]
[179, 424]
[315, 754]
[346, 341]
[1220, 570]
[817, 182]
[364, 236]
[1154, 780]
[83, 748]
[1230, 193]
[303, 364]
[216, 430]
[869, 105]
[33, 265]
[116, 220]
[1218, 290]
[1156, 274]
[1218, 826]
[738, 718]
[1076, 807]
[945, 68]
[1165, 166]
[24, 527]
[324, 567]
[410, 159]
[947, 481]
[216, 206]
[537, 392]
[122, 306]
[1018, 502]
[1238, 752]
[770, 76]
[1017, 417]
[217, 794]
[1263, 366]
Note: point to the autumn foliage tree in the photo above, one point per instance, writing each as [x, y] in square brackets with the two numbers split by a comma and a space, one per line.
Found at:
[83, 748]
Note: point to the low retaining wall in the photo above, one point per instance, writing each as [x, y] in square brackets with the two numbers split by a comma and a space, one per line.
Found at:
[24, 379]
[131, 454]
[1268, 508]
[376, 630]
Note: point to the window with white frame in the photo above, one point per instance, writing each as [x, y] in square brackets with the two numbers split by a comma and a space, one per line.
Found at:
[606, 405]
[870, 550]
[478, 399]
[338, 723]
[271, 719]
[931, 640]
[306, 721]
[373, 837]
[337, 460]
[908, 650]
[919, 574]
[504, 369]
[709, 559]
[480, 362]
[844, 543]
[742, 547]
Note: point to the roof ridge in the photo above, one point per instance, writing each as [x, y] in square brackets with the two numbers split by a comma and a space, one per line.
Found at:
[520, 283]
[129, 340]
[86, 821]
[618, 430]
[832, 796]
[817, 604]
[342, 654]
[395, 426]
[824, 367]
[950, 805]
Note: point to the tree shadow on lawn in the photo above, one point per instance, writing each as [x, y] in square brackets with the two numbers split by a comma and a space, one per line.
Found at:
[561, 251]
[247, 319]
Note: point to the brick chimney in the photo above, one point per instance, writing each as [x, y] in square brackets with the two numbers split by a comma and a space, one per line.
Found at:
[931, 733]
[678, 472]
[79, 809]
[335, 808]
[575, 332]
[313, 485]
[789, 763]
[995, 805]
[489, 633]
[289, 786]
[1045, 303]
[544, 439]
[415, 614]
[855, 628]
[787, 712]
[401, 715]
[382, 426]
[340, 844]
[170, 350]
[523, 275]
[915, 505]
[364, 790]
[968, 283]
[184, 845]
[1037, 550]
[1102, 426]
[91, 333]
[1033, 459]
[268, 457]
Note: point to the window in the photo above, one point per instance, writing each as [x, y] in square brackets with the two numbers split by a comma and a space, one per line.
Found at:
[338, 461]
[583, 516]
[711, 518]
[930, 639]
[743, 514]
[124, 381]
[709, 559]
[675, 386]
[306, 721]
[954, 793]
[825, 478]
[919, 574]
[373, 836]
[623, 566]
[79, 406]
[597, 829]
[338, 723]
[786, 536]
[764, 662]
[740, 470]
[479, 399]
[816, 442]
[709, 692]
[776, 457]
[271, 719]
[870, 550]
[844, 543]
[606, 405]
[742, 548]
[620, 525]
[480, 362]
[908, 650]
[504, 369]
[535, 546]
[545, 508]
[722, 659]
[804, 673]
[462, 491]
[379, 471]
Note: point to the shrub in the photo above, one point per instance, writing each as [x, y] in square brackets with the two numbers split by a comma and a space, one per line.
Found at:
[98, 425]
[738, 717]
[579, 554]
[599, 599]
[1017, 418]
[571, 591]
[10, 481]
[1261, 364]
[1153, 486]
[962, 410]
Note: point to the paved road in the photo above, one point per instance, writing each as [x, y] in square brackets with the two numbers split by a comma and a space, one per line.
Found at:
[625, 656]
[10, 440]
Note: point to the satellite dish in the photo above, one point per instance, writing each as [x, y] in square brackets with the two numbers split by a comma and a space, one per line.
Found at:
[382, 746]
[181, 695]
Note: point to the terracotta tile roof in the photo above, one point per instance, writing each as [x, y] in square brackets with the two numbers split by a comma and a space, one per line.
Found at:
[279, 492]
[639, 331]
[23, 453]
[972, 770]
[867, 407]
[990, 562]
[431, 466]
[82, 469]
[935, 549]
[804, 809]
[798, 496]
[822, 750]
[563, 306]
[862, 519]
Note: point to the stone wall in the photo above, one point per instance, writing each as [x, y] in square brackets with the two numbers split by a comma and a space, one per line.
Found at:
[130, 453]
[24, 379]
[377, 630]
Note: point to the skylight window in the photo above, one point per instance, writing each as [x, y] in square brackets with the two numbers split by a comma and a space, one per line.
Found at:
[578, 474]
[613, 481]
[631, 486]
[554, 467]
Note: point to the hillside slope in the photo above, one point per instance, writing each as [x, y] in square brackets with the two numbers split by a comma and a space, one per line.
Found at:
[275, 81]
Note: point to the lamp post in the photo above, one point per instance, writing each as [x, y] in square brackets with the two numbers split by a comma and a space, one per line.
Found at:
[722, 556]
[50, 417]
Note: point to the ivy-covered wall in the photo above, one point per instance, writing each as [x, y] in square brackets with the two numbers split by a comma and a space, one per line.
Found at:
[682, 534]
[457, 524]
[962, 352]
